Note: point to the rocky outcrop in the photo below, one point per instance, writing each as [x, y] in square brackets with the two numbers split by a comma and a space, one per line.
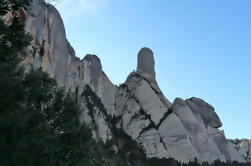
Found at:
[204, 110]
[243, 147]
[184, 130]
[140, 116]
[209, 141]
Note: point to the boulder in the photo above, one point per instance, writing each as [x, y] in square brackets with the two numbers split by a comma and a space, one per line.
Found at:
[205, 110]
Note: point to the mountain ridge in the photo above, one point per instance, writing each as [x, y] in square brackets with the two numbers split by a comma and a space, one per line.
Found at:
[184, 130]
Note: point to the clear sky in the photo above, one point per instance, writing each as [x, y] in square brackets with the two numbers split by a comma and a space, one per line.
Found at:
[202, 48]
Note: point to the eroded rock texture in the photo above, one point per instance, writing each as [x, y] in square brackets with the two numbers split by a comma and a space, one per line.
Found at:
[244, 148]
[136, 110]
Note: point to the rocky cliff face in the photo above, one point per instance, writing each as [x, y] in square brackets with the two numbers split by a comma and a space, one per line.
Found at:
[184, 130]
[244, 148]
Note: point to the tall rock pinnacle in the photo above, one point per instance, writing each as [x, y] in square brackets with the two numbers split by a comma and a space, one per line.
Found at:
[146, 63]
[95, 69]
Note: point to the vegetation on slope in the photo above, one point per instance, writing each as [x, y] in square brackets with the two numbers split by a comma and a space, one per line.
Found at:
[39, 122]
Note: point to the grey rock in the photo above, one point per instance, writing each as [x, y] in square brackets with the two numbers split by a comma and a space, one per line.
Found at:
[197, 131]
[146, 63]
[95, 118]
[244, 148]
[153, 103]
[209, 141]
[95, 69]
[152, 145]
[176, 139]
[205, 110]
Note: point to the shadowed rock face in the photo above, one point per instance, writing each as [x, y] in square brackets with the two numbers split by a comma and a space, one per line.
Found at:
[95, 69]
[146, 63]
[183, 130]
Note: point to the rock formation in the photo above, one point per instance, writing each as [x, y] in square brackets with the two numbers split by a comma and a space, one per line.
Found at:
[146, 63]
[184, 130]
[244, 148]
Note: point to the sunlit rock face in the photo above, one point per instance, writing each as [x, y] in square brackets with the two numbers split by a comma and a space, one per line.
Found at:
[184, 130]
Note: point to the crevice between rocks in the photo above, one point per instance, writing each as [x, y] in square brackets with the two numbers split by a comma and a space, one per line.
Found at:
[169, 112]
[158, 93]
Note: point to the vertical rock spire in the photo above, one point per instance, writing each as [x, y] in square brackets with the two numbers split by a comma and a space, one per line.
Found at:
[95, 70]
[146, 63]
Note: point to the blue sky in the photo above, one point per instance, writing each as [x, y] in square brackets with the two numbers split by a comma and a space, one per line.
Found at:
[202, 47]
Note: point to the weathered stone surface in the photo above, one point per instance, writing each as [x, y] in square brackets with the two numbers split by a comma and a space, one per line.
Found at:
[206, 148]
[225, 146]
[152, 145]
[141, 108]
[95, 70]
[133, 122]
[205, 110]
[152, 102]
[209, 141]
[244, 148]
[176, 139]
[94, 114]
